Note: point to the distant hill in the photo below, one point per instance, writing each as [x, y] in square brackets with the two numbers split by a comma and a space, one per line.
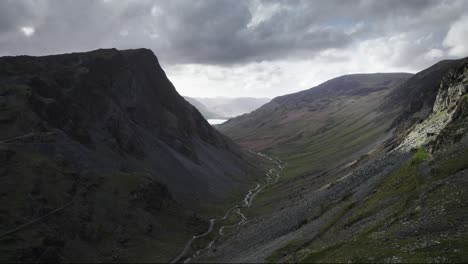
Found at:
[340, 111]
[206, 113]
[225, 107]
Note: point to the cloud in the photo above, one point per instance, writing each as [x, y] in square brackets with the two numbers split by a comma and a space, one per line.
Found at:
[457, 38]
[259, 46]
[433, 54]
[28, 31]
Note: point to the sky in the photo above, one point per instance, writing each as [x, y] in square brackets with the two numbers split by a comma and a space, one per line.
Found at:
[254, 48]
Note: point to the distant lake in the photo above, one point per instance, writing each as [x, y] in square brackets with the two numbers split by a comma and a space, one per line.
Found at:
[216, 121]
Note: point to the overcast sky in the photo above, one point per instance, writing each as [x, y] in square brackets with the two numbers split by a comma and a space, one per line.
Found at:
[246, 48]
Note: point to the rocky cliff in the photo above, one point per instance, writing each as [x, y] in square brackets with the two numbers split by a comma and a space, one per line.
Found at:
[102, 160]
[449, 104]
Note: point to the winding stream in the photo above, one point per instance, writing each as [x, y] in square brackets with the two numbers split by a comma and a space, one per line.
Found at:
[272, 177]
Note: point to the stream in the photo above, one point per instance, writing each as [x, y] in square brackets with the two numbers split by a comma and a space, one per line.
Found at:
[272, 177]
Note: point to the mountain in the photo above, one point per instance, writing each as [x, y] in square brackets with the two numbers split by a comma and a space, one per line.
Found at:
[102, 160]
[336, 121]
[225, 107]
[377, 169]
[416, 97]
[206, 113]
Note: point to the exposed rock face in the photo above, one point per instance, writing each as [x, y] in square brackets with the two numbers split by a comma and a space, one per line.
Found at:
[447, 103]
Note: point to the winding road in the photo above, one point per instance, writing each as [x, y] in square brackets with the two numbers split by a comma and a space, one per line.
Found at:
[30, 135]
[272, 177]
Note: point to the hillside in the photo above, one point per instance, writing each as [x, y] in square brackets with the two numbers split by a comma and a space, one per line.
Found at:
[336, 121]
[226, 108]
[416, 96]
[102, 160]
[401, 202]
[206, 113]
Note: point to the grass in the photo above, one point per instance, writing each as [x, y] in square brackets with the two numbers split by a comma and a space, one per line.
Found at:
[339, 140]
[420, 247]
[333, 145]
[110, 208]
[336, 218]
[397, 191]
[450, 166]
[372, 251]
[420, 156]
[290, 248]
[33, 172]
[297, 245]
[404, 184]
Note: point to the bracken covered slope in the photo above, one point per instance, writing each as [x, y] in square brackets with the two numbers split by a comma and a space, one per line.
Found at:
[335, 122]
[105, 160]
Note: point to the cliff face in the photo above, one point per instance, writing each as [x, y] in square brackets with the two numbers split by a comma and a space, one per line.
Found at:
[120, 106]
[450, 100]
[82, 93]
[106, 134]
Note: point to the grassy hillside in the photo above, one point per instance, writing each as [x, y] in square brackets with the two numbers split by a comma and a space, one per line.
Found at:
[331, 124]
[346, 194]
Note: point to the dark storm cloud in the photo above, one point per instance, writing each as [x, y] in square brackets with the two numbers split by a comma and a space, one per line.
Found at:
[224, 31]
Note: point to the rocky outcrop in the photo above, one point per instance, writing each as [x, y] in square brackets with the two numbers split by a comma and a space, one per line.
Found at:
[448, 102]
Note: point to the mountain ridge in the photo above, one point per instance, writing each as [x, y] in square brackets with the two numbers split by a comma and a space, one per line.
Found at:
[107, 130]
[299, 115]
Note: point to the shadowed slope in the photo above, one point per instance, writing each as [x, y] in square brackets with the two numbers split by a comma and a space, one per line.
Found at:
[107, 130]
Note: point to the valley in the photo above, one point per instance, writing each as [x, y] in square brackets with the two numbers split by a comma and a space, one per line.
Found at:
[130, 171]
[221, 131]
[354, 186]
[272, 177]
[219, 109]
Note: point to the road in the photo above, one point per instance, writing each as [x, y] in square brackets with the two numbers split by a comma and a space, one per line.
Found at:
[272, 177]
[30, 135]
